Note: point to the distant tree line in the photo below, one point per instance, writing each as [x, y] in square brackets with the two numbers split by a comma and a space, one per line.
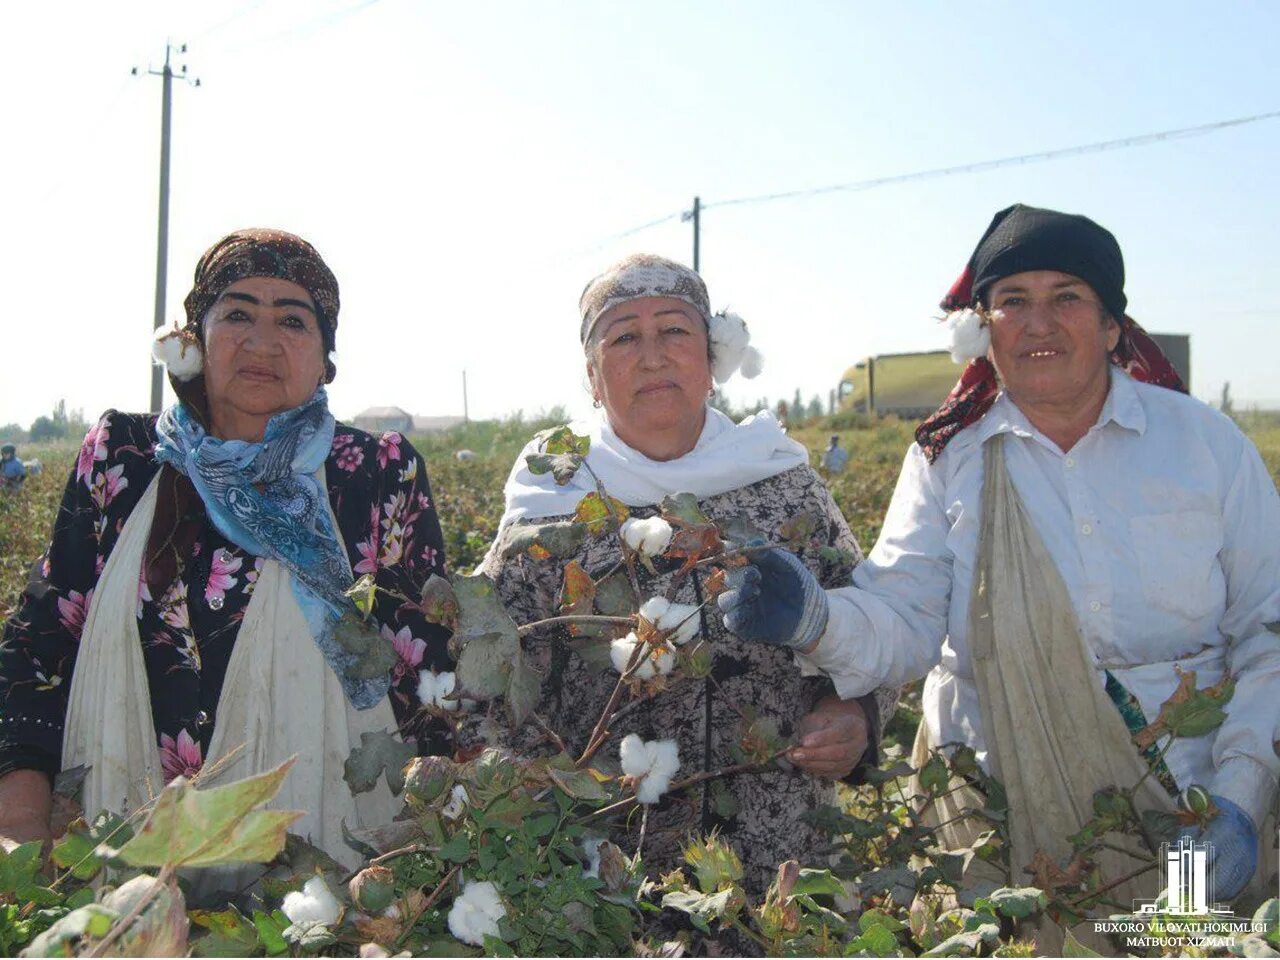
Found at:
[793, 413]
[59, 425]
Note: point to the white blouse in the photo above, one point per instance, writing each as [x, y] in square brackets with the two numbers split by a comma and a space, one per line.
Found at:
[1165, 526]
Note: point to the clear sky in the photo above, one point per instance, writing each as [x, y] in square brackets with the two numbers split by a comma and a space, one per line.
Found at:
[461, 166]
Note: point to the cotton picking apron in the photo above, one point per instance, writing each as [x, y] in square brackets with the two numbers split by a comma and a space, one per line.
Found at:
[279, 699]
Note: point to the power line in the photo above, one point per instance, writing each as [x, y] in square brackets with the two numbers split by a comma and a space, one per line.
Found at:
[1022, 159]
[939, 172]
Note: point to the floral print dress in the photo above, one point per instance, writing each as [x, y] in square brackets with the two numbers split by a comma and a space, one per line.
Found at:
[382, 502]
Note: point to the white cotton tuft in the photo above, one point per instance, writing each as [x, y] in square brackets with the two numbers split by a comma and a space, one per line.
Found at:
[181, 355]
[313, 902]
[458, 801]
[752, 363]
[649, 537]
[729, 339]
[652, 764]
[665, 615]
[435, 689]
[476, 912]
[660, 661]
[970, 335]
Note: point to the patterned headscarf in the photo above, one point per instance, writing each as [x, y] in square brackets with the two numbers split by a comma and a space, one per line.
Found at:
[1019, 239]
[254, 252]
[636, 276]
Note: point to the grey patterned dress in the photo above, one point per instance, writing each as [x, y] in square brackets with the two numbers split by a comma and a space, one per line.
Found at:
[758, 813]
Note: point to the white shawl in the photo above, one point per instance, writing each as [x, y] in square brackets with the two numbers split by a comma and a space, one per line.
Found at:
[726, 457]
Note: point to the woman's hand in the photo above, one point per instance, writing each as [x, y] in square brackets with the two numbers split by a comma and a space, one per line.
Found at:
[26, 802]
[832, 739]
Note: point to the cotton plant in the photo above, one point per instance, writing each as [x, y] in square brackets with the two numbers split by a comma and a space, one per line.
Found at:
[314, 903]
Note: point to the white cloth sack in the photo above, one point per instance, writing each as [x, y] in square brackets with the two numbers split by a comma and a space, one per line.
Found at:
[279, 699]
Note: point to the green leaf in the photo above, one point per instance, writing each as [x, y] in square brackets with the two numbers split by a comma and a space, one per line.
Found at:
[363, 593]
[1018, 902]
[878, 918]
[591, 510]
[231, 934]
[484, 665]
[684, 506]
[817, 883]
[271, 928]
[438, 603]
[878, 942]
[579, 784]
[78, 850]
[563, 440]
[379, 753]
[458, 849]
[801, 528]
[562, 539]
[204, 828]
[561, 466]
[375, 655]
[310, 935]
[739, 532]
[723, 905]
[934, 775]
[966, 943]
[1071, 947]
[89, 922]
[524, 685]
[614, 596]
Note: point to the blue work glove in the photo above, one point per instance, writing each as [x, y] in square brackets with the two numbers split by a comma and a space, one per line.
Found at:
[1234, 856]
[774, 600]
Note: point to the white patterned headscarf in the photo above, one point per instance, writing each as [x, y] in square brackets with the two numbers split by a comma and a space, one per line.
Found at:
[647, 275]
[636, 276]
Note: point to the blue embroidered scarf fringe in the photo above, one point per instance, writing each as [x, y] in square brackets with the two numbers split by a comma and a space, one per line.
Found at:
[265, 498]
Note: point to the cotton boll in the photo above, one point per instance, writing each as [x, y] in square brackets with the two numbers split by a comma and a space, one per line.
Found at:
[652, 764]
[181, 355]
[665, 615]
[649, 537]
[313, 902]
[458, 801]
[970, 335]
[476, 912]
[620, 654]
[752, 363]
[729, 338]
[435, 689]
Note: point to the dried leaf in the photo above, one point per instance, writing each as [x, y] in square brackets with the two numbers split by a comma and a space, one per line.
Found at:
[715, 584]
[438, 603]
[695, 543]
[1048, 876]
[739, 532]
[1189, 712]
[561, 539]
[204, 828]
[577, 594]
[801, 528]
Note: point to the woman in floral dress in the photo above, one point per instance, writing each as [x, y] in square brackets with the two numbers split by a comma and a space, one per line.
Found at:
[248, 478]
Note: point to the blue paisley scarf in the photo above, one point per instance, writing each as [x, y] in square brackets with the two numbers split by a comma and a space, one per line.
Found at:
[264, 497]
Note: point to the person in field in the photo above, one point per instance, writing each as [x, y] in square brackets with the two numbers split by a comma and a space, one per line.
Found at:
[652, 349]
[13, 473]
[1071, 535]
[182, 619]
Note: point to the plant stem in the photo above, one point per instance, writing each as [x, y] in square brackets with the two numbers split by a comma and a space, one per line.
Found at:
[551, 734]
[536, 625]
[117, 931]
[617, 530]
[1112, 885]
[431, 898]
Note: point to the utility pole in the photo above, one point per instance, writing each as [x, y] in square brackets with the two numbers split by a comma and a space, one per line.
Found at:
[162, 229]
[465, 417]
[696, 216]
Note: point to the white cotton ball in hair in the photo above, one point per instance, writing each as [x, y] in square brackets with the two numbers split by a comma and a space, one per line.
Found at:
[729, 339]
[180, 354]
[752, 363]
[970, 335]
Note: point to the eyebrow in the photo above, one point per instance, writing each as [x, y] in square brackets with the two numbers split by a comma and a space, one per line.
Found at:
[1060, 285]
[282, 302]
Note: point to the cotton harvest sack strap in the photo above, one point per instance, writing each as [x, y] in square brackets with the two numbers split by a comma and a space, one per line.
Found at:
[279, 699]
[1054, 736]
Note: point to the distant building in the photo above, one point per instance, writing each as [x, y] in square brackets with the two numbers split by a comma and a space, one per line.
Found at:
[382, 419]
[912, 385]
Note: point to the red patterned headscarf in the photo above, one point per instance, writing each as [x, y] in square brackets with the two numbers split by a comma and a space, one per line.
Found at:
[1025, 238]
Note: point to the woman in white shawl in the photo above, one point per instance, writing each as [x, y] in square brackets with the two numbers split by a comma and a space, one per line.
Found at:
[652, 350]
